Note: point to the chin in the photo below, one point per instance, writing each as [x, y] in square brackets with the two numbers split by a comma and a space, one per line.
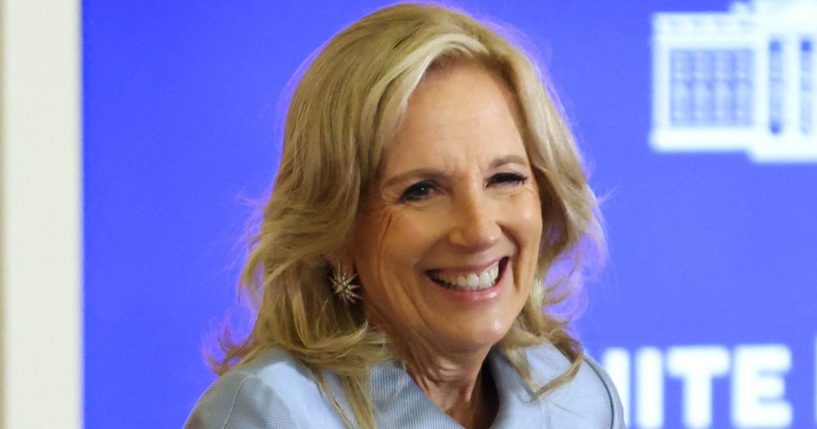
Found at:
[485, 337]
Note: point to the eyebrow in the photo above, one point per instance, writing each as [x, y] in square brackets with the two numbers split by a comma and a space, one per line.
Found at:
[434, 173]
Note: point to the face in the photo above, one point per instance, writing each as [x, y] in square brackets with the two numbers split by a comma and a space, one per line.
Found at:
[447, 242]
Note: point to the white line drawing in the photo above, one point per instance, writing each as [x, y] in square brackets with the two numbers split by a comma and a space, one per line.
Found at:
[742, 80]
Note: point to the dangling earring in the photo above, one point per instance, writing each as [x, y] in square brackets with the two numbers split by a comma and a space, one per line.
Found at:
[342, 284]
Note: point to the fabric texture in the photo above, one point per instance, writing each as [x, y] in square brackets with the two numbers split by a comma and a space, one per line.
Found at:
[275, 391]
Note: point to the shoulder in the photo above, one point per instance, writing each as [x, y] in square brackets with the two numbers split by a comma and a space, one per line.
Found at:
[271, 391]
[589, 399]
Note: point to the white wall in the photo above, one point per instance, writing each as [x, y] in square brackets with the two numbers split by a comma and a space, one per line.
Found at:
[40, 214]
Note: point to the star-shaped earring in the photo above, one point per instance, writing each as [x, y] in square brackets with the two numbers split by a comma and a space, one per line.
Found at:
[342, 284]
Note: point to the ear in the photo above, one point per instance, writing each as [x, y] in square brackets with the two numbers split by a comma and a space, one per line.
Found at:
[343, 256]
[344, 253]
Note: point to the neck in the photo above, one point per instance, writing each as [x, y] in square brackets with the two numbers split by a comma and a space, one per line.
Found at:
[455, 379]
[461, 385]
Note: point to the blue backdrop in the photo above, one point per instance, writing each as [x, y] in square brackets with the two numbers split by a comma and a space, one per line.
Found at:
[713, 260]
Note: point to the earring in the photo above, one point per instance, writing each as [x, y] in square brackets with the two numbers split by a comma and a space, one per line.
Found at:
[342, 284]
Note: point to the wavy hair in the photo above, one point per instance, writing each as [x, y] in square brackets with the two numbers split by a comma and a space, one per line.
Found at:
[343, 112]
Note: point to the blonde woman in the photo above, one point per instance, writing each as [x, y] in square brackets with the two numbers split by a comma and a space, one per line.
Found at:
[402, 271]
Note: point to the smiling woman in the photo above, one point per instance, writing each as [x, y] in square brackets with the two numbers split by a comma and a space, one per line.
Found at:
[447, 250]
[427, 188]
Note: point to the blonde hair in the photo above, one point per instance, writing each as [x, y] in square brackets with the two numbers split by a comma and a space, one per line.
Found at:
[342, 114]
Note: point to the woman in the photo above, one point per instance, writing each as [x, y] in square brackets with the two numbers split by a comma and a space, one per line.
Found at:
[428, 186]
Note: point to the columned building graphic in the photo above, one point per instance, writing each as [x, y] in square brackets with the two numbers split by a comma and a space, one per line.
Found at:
[743, 80]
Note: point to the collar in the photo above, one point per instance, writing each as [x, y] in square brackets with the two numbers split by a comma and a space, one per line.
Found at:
[400, 402]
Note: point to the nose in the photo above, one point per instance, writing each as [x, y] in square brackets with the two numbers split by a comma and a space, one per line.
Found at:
[476, 226]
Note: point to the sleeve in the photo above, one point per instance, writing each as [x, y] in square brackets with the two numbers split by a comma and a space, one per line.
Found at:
[617, 421]
[240, 401]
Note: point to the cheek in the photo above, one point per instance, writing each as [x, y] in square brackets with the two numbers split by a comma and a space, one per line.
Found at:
[387, 249]
[395, 237]
[527, 218]
[371, 244]
[526, 221]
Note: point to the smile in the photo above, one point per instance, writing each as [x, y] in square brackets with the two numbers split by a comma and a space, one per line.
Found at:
[468, 281]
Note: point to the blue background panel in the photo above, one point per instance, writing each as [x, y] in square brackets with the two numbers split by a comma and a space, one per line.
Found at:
[183, 103]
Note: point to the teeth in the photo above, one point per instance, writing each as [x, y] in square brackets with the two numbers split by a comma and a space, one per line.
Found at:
[468, 281]
[485, 279]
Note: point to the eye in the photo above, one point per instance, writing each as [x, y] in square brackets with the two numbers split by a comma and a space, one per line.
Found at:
[507, 179]
[417, 191]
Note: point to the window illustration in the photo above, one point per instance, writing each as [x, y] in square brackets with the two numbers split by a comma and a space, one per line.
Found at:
[737, 81]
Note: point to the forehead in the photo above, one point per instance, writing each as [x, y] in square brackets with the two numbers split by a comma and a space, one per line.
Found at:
[461, 113]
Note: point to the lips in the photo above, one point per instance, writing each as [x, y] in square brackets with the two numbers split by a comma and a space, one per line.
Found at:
[468, 280]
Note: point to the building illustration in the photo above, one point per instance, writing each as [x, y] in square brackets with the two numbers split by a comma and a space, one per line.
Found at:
[743, 80]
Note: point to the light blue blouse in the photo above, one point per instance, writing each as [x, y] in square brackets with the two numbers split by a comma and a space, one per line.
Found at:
[274, 391]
